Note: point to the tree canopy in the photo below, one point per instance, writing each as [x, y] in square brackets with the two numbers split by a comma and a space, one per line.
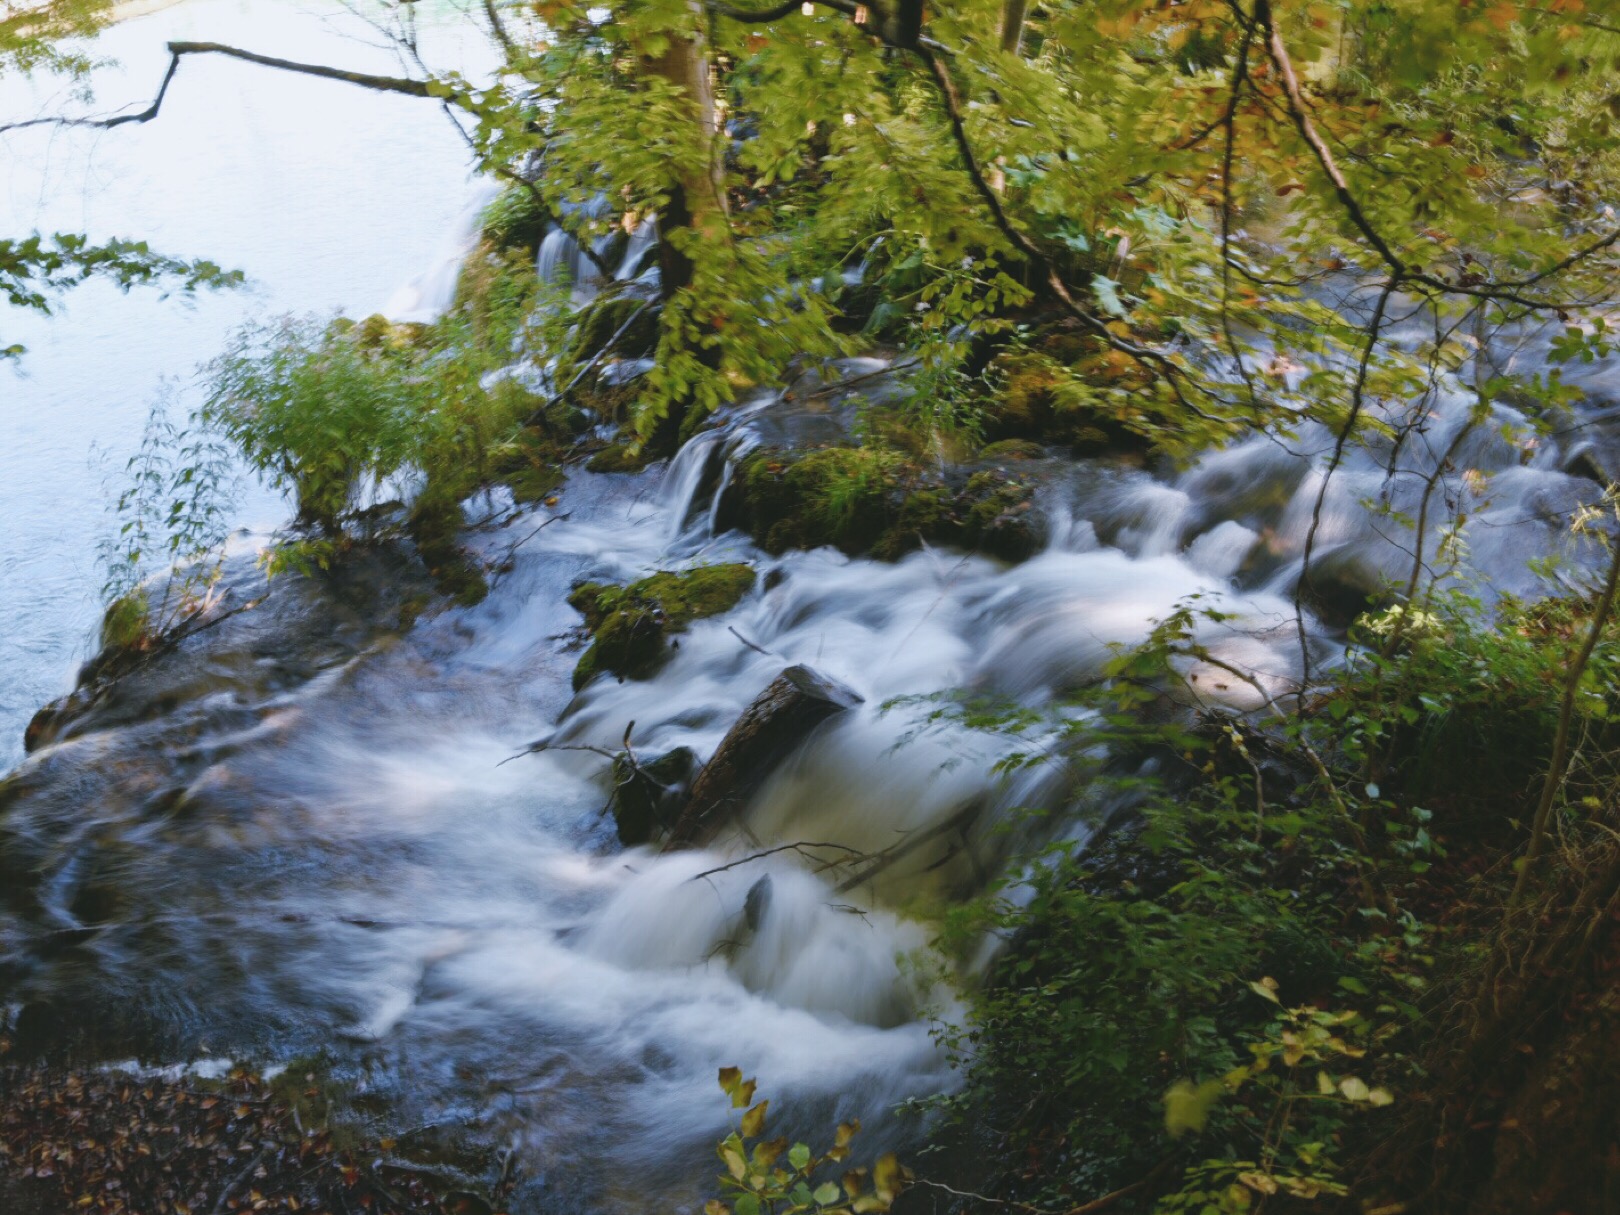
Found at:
[1214, 193]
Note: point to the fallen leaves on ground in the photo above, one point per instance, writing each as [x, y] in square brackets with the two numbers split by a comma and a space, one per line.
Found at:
[106, 1143]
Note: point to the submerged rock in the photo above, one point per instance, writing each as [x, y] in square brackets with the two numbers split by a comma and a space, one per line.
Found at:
[778, 721]
[648, 796]
[261, 638]
[1344, 582]
[632, 623]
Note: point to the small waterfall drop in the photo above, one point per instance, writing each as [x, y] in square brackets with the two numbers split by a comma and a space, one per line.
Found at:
[429, 295]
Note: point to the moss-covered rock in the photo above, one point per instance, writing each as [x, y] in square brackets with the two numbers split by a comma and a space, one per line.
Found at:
[1038, 403]
[620, 457]
[631, 624]
[875, 501]
[1013, 449]
[994, 511]
[847, 497]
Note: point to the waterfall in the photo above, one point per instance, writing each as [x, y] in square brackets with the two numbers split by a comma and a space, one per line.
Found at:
[429, 295]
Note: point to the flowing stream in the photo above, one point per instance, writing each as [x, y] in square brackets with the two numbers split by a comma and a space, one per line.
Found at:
[344, 860]
[333, 839]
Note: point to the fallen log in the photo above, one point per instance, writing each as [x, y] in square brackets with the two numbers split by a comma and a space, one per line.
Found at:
[779, 720]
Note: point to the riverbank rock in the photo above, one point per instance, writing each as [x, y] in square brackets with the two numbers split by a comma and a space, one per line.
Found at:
[770, 729]
[261, 638]
[1344, 582]
[631, 624]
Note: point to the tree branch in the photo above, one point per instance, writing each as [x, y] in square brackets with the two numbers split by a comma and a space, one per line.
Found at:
[1506, 291]
[178, 50]
[1167, 368]
[1301, 117]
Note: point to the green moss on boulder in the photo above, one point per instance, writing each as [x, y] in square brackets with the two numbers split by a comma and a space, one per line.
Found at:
[847, 497]
[619, 458]
[631, 624]
[874, 500]
[1013, 449]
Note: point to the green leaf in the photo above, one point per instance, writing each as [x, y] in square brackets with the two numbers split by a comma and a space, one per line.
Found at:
[1187, 1106]
[753, 1122]
[799, 1156]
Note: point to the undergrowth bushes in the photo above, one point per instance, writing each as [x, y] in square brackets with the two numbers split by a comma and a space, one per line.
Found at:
[341, 415]
[1303, 920]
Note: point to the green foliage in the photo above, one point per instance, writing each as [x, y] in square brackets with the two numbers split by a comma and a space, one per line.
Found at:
[33, 269]
[337, 412]
[1452, 715]
[173, 511]
[772, 1178]
[316, 409]
[516, 219]
[1128, 984]
[1298, 1071]
[29, 38]
[332, 410]
[1145, 159]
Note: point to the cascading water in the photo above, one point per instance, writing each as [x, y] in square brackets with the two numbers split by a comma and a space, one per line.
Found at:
[338, 852]
[561, 259]
[429, 295]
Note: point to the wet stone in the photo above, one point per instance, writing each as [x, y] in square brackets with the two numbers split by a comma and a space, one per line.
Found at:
[769, 730]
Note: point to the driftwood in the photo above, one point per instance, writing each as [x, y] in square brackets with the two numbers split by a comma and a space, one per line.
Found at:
[782, 717]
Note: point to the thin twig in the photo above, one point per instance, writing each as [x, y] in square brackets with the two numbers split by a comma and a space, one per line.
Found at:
[798, 847]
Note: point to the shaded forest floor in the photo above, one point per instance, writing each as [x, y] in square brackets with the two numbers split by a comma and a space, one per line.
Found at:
[109, 1143]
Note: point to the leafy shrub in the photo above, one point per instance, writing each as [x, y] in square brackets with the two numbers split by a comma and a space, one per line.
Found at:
[757, 1183]
[332, 410]
[318, 409]
[516, 219]
[173, 513]
[336, 412]
[1119, 1043]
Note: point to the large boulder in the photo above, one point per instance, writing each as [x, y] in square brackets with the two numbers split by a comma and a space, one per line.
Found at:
[770, 729]
[1344, 582]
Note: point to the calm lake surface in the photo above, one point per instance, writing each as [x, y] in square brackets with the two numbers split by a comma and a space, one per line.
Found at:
[328, 196]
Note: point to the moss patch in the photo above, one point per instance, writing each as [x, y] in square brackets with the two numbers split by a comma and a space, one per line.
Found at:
[1037, 402]
[1013, 449]
[876, 501]
[847, 497]
[631, 624]
[619, 458]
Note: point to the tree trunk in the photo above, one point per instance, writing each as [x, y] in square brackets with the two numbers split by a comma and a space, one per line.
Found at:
[698, 200]
[1012, 24]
